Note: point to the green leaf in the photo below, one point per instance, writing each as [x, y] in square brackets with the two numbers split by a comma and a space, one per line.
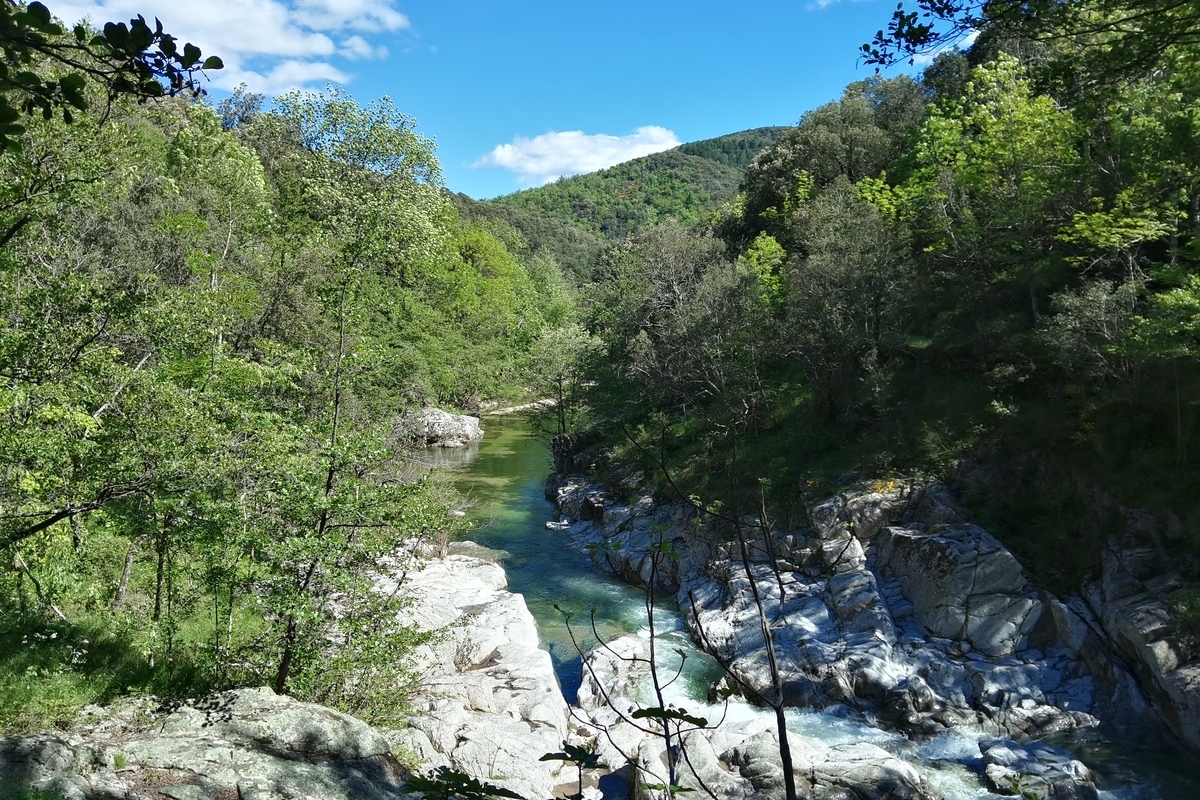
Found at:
[662, 787]
[669, 714]
[140, 35]
[191, 54]
[72, 81]
[116, 34]
[38, 11]
[39, 18]
[213, 62]
[446, 783]
[573, 755]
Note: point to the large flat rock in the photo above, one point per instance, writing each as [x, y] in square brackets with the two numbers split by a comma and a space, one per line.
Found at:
[491, 705]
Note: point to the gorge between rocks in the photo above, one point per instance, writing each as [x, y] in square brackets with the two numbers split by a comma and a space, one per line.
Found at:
[504, 477]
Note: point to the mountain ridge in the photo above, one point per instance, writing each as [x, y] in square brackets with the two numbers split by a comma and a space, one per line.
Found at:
[571, 218]
[684, 182]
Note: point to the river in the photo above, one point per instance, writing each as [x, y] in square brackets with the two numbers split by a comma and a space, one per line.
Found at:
[504, 478]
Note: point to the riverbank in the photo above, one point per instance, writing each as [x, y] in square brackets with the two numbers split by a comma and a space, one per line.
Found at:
[488, 705]
[492, 708]
[891, 604]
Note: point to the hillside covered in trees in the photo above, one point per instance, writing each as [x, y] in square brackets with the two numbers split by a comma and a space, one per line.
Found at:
[212, 320]
[681, 184]
[987, 274]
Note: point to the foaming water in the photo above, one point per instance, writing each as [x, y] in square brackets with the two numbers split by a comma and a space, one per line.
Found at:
[504, 477]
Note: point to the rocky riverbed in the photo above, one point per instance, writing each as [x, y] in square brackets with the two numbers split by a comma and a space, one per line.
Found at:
[947, 665]
[891, 603]
[490, 705]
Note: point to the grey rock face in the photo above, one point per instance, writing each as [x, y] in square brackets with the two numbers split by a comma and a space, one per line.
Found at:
[1040, 769]
[490, 705]
[925, 626]
[619, 537]
[249, 741]
[1130, 603]
[436, 428]
[962, 584]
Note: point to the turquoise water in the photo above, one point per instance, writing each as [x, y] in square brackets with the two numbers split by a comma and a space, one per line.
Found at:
[504, 478]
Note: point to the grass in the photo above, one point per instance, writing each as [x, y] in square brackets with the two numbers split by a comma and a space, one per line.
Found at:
[51, 669]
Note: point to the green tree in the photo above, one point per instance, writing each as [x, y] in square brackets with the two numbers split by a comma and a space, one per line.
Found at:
[846, 312]
[1122, 38]
[855, 137]
[765, 258]
[994, 175]
[558, 363]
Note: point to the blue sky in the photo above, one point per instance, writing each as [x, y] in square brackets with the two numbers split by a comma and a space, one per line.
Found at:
[517, 93]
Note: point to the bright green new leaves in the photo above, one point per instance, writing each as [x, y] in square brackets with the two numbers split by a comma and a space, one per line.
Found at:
[1111, 239]
[559, 363]
[205, 338]
[372, 185]
[765, 258]
[994, 172]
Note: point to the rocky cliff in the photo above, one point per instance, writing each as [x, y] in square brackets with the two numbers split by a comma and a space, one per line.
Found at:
[891, 602]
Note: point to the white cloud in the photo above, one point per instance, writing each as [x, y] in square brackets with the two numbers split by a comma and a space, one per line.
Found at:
[924, 59]
[288, 75]
[271, 45]
[357, 47]
[552, 155]
[359, 15]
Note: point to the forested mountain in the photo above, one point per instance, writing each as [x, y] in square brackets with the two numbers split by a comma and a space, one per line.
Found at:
[988, 275]
[682, 184]
[734, 150]
[571, 247]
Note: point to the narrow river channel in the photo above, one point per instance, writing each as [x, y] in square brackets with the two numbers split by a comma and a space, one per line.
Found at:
[504, 479]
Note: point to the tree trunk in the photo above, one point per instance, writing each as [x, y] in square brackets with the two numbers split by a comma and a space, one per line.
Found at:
[291, 632]
[119, 598]
[158, 580]
[285, 663]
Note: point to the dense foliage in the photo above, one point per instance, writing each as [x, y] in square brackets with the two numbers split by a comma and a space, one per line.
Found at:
[534, 236]
[211, 320]
[127, 60]
[736, 150]
[210, 325]
[989, 275]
